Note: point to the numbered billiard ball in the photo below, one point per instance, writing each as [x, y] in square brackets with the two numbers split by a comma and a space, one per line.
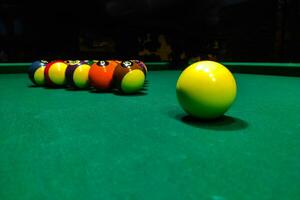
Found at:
[101, 74]
[77, 74]
[128, 77]
[36, 72]
[206, 89]
[55, 73]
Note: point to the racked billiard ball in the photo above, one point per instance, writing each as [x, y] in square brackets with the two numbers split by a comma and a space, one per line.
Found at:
[77, 74]
[206, 89]
[36, 72]
[128, 77]
[55, 73]
[101, 74]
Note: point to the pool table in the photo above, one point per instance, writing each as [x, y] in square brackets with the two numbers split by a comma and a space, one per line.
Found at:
[81, 144]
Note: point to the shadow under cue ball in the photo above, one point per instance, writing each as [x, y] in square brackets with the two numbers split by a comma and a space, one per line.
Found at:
[128, 77]
[206, 89]
[77, 74]
[36, 72]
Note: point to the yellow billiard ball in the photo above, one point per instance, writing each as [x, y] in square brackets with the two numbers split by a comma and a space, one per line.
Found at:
[36, 72]
[55, 73]
[206, 89]
[77, 75]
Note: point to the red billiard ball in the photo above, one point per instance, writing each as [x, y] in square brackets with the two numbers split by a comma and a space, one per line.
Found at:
[101, 74]
[128, 77]
[55, 73]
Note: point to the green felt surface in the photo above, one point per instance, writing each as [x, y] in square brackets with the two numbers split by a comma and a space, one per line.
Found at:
[61, 144]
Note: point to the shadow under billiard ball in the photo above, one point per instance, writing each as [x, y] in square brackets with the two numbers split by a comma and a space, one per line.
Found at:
[221, 123]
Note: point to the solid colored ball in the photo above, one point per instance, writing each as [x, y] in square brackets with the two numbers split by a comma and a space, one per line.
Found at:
[55, 73]
[206, 89]
[77, 75]
[128, 77]
[101, 74]
[36, 72]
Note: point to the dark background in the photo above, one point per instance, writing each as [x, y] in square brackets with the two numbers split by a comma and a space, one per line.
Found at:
[151, 30]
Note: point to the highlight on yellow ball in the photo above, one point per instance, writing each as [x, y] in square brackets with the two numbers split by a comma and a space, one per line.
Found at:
[57, 73]
[206, 89]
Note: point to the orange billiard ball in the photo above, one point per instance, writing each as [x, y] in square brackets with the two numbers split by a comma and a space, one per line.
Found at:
[101, 74]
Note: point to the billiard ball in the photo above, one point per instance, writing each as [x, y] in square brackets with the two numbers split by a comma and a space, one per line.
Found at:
[128, 77]
[142, 65]
[77, 74]
[206, 89]
[36, 72]
[55, 73]
[101, 74]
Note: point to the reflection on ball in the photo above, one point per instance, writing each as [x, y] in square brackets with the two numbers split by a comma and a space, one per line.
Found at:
[55, 73]
[206, 89]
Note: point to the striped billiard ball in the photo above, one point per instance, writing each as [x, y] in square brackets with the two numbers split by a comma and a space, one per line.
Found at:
[36, 72]
[55, 73]
[128, 77]
[77, 74]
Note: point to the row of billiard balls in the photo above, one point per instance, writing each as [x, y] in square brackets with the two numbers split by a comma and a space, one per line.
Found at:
[126, 76]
